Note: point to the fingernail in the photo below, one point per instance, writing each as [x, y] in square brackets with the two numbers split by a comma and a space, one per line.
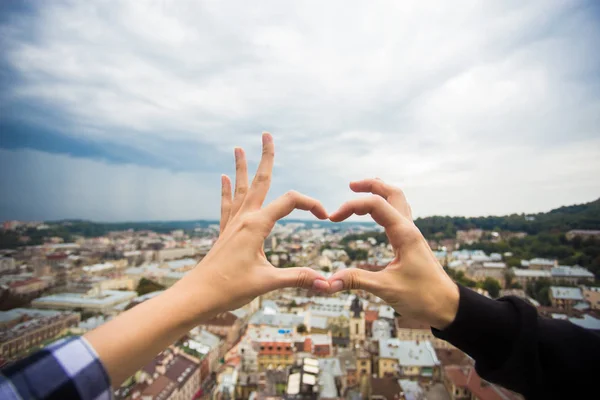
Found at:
[336, 286]
[320, 285]
[238, 152]
[266, 137]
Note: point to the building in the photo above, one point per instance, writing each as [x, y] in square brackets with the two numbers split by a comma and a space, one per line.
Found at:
[587, 322]
[541, 263]
[303, 381]
[407, 358]
[525, 276]
[410, 329]
[381, 330]
[488, 269]
[279, 320]
[28, 287]
[99, 283]
[100, 302]
[571, 275]
[386, 388]
[7, 264]
[565, 298]
[322, 345]
[592, 296]
[23, 330]
[582, 233]
[463, 383]
[171, 375]
[103, 268]
[357, 322]
[225, 325]
[275, 354]
[174, 254]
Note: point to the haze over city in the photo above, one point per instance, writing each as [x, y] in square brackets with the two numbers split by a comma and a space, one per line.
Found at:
[472, 108]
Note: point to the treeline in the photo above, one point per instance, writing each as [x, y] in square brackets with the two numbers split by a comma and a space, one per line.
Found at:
[563, 219]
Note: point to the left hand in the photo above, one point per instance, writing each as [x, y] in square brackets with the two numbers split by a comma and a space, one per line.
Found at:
[236, 270]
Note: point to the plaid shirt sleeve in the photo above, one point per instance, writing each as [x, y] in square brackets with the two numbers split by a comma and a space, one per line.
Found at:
[67, 369]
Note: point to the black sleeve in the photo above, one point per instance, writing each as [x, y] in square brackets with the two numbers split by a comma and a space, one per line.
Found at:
[514, 347]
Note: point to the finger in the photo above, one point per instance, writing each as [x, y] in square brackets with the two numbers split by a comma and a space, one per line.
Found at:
[353, 278]
[306, 278]
[394, 195]
[241, 181]
[284, 205]
[262, 180]
[381, 211]
[226, 201]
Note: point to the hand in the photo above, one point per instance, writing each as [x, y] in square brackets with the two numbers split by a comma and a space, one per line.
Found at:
[236, 270]
[414, 283]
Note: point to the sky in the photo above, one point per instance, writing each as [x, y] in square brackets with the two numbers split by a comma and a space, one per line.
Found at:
[129, 110]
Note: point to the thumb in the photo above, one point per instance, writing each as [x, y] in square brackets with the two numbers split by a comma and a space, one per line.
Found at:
[354, 278]
[301, 277]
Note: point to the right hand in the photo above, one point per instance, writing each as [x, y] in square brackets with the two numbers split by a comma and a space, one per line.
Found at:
[236, 269]
[414, 283]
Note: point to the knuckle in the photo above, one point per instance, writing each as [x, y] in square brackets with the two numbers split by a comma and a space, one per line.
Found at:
[354, 280]
[268, 152]
[262, 177]
[241, 190]
[302, 278]
[378, 201]
[291, 195]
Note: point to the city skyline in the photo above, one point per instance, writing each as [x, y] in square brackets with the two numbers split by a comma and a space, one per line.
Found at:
[130, 112]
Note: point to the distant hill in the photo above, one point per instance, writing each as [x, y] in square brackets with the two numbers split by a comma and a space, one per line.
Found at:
[563, 219]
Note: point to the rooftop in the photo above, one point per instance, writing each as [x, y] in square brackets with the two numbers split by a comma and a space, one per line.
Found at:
[587, 322]
[566, 293]
[186, 262]
[98, 267]
[531, 273]
[494, 265]
[575, 272]
[106, 297]
[281, 320]
[409, 352]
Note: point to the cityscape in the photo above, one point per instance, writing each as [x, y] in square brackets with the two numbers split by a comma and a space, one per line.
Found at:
[299, 200]
[64, 278]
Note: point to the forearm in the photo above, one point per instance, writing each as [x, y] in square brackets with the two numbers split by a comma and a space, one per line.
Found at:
[516, 348]
[135, 337]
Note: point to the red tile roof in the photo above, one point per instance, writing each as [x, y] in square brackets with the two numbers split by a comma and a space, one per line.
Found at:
[371, 315]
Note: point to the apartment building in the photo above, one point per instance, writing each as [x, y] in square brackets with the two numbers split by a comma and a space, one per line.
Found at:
[565, 297]
[407, 358]
[23, 330]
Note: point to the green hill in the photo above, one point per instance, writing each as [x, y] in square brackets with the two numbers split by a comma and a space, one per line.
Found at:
[563, 219]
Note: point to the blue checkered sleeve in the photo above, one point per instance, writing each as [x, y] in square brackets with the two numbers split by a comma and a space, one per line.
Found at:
[67, 369]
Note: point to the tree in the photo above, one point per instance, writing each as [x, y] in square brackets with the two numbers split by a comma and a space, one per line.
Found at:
[492, 286]
[357, 254]
[539, 290]
[146, 286]
[301, 328]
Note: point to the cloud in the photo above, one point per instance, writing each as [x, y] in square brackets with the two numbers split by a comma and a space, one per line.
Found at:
[471, 107]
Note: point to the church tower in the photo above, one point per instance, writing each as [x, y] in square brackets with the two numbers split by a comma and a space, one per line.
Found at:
[357, 323]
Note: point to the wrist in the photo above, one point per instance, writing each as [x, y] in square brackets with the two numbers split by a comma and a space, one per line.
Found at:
[446, 308]
[188, 304]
